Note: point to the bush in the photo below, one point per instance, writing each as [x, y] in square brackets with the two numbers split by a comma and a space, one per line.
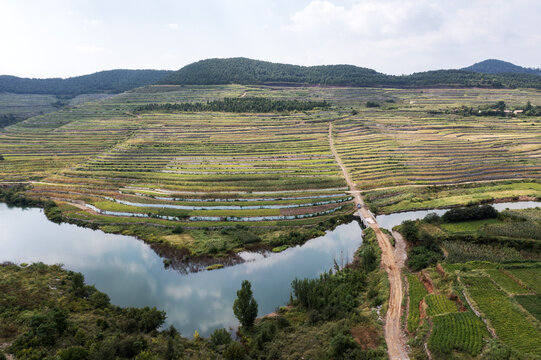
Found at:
[53, 212]
[99, 300]
[74, 353]
[432, 218]
[410, 231]
[420, 257]
[220, 337]
[235, 351]
[372, 104]
[340, 345]
[178, 230]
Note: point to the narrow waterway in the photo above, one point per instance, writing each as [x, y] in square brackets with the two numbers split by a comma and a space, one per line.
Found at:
[391, 220]
[131, 273]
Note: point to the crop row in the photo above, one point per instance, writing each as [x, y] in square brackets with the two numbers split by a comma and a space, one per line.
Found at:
[416, 294]
[439, 304]
[457, 331]
[510, 324]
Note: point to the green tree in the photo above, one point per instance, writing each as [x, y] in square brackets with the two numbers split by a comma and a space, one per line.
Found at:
[245, 306]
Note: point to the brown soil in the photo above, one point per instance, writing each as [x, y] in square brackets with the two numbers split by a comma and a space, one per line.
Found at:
[440, 270]
[366, 336]
[422, 309]
[427, 282]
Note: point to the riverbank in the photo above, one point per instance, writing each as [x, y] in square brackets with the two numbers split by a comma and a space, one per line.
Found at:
[207, 243]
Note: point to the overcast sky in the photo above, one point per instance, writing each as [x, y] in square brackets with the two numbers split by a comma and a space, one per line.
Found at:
[61, 38]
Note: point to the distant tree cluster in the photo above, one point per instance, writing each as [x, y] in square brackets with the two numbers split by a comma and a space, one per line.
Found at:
[330, 294]
[470, 213]
[9, 119]
[498, 109]
[247, 71]
[239, 105]
[113, 81]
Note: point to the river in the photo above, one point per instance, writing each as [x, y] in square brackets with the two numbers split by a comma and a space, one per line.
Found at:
[132, 274]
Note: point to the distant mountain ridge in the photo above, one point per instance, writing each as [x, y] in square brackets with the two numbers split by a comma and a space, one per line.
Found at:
[493, 66]
[488, 73]
[251, 72]
[111, 81]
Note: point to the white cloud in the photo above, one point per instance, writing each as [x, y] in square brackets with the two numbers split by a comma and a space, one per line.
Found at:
[172, 26]
[375, 20]
[92, 22]
[90, 49]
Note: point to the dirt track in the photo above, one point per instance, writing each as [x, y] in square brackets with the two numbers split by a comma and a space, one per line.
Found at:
[396, 343]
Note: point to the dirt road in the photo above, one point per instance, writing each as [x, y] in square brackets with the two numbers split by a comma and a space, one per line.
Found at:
[396, 342]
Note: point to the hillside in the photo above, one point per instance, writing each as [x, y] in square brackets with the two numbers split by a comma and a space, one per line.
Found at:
[493, 66]
[246, 71]
[112, 81]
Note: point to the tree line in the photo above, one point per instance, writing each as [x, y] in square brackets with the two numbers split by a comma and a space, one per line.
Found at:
[500, 108]
[239, 105]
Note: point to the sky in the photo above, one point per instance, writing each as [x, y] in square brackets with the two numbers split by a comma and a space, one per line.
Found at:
[63, 38]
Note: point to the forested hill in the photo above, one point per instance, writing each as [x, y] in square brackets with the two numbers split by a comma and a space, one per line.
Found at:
[112, 81]
[247, 71]
[493, 66]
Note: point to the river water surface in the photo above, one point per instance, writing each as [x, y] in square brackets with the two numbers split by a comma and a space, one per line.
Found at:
[131, 273]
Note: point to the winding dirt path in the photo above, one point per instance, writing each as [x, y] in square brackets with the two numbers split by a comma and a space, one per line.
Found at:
[396, 342]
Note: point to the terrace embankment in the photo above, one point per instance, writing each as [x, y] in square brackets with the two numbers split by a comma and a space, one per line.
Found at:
[396, 344]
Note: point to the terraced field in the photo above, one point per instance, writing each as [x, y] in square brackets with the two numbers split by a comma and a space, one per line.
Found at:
[509, 323]
[107, 163]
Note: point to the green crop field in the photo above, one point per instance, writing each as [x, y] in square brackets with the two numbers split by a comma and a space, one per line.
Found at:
[507, 320]
[505, 281]
[529, 277]
[439, 304]
[457, 331]
[417, 292]
[532, 303]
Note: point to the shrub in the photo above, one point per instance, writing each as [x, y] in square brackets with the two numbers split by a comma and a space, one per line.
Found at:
[410, 231]
[99, 300]
[235, 351]
[420, 257]
[53, 212]
[178, 230]
[372, 104]
[432, 218]
[341, 344]
[74, 353]
[220, 337]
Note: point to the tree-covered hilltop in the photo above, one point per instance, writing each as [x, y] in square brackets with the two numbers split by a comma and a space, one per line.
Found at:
[493, 66]
[247, 71]
[111, 81]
